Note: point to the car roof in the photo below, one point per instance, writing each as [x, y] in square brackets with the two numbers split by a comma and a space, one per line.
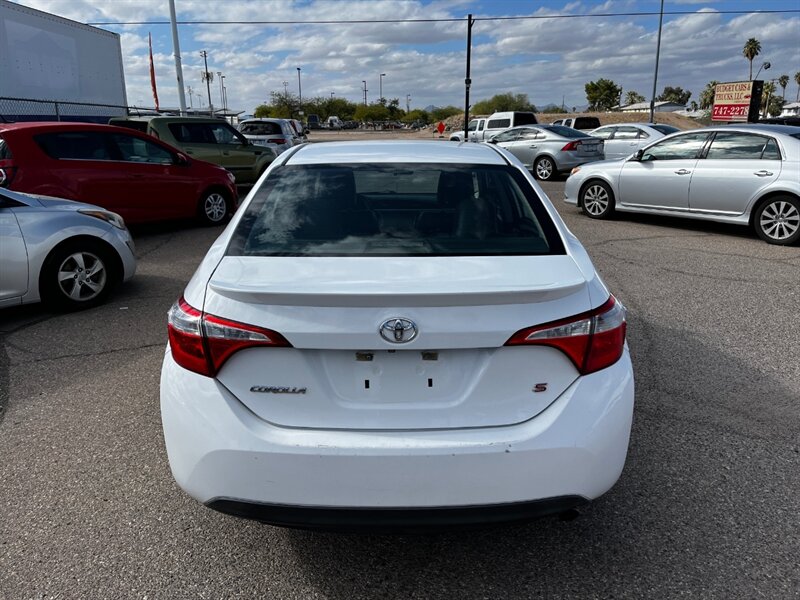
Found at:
[393, 151]
[762, 127]
[39, 126]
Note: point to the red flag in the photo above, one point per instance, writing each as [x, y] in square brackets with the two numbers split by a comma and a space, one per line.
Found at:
[152, 72]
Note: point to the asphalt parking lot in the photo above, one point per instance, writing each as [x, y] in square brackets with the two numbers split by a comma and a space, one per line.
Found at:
[707, 506]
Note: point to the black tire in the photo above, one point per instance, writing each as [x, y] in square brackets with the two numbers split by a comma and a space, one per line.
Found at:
[777, 220]
[544, 168]
[597, 200]
[94, 275]
[214, 208]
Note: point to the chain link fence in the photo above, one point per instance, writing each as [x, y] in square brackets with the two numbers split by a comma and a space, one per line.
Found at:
[28, 109]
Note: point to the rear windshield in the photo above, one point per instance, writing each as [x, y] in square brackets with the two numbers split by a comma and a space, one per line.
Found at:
[563, 131]
[267, 128]
[135, 125]
[665, 129]
[395, 210]
[587, 123]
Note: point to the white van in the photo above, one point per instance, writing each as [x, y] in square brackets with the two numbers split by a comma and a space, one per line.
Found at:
[334, 123]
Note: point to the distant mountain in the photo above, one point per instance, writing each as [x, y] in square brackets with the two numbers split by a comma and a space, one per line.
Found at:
[430, 108]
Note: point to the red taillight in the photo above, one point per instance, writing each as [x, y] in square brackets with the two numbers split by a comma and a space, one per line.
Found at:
[571, 146]
[278, 141]
[593, 340]
[202, 342]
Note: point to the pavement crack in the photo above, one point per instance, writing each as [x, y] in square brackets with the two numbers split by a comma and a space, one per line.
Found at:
[87, 354]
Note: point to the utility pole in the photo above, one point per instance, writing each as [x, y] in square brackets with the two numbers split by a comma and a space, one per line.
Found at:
[207, 77]
[299, 89]
[176, 50]
[221, 91]
[408, 103]
[655, 74]
[467, 80]
[380, 85]
[365, 91]
[191, 100]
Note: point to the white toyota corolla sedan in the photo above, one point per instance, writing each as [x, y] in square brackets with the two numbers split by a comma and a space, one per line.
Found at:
[396, 334]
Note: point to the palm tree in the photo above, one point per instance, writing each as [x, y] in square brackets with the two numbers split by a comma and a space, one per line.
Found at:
[632, 97]
[783, 81]
[707, 95]
[797, 81]
[751, 49]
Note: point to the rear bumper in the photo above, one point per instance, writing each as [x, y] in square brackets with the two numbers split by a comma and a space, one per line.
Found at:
[225, 456]
[567, 161]
[393, 519]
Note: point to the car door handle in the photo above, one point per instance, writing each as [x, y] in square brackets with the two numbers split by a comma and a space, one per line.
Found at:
[762, 173]
[533, 146]
[682, 172]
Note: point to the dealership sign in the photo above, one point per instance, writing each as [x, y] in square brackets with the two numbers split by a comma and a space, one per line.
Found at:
[737, 101]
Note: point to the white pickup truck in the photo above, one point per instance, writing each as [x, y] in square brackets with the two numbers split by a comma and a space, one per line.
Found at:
[484, 128]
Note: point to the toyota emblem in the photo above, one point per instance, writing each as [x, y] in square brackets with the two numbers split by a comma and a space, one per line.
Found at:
[398, 331]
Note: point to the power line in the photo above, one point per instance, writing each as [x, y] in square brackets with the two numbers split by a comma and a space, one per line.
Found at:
[461, 19]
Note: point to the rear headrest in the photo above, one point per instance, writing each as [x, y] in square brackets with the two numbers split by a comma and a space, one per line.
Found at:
[454, 188]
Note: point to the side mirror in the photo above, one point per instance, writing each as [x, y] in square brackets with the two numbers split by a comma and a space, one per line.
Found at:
[492, 141]
[181, 160]
[639, 154]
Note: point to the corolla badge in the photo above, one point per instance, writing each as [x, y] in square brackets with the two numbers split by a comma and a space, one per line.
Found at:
[398, 330]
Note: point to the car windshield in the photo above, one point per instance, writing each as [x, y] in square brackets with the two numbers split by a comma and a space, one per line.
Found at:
[395, 210]
[795, 135]
[665, 129]
[567, 132]
[267, 128]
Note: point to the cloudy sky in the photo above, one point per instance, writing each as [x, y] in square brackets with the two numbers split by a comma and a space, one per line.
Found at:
[545, 58]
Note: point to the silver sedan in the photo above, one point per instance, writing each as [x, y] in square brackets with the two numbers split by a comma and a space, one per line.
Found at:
[623, 139]
[549, 149]
[748, 174]
[68, 254]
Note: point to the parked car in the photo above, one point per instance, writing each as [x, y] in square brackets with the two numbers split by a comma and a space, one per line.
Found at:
[278, 134]
[743, 174]
[623, 139]
[68, 254]
[579, 123]
[120, 169]
[215, 141]
[396, 334]
[485, 129]
[548, 150]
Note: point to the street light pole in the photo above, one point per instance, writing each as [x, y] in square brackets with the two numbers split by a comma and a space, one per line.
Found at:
[221, 93]
[658, 55]
[365, 91]
[176, 49]
[207, 77]
[467, 79]
[381, 84]
[299, 88]
[408, 102]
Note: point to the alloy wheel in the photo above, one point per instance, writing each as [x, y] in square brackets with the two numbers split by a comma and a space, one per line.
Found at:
[82, 276]
[215, 207]
[595, 200]
[544, 169]
[780, 220]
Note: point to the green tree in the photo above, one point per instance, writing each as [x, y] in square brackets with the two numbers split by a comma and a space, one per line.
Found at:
[262, 111]
[693, 105]
[707, 95]
[602, 94]
[674, 94]
[372, 112]
[440, 114]
[771, 103]
[503, 102]
[783, 81]
[797, 81]
[417, 115]
[752, 48]
[633, 97]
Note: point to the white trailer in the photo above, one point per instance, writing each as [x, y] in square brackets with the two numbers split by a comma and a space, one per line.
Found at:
[46, 59]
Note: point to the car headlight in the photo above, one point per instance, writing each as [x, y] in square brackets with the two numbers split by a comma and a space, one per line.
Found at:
[575, 170]
[108, 217]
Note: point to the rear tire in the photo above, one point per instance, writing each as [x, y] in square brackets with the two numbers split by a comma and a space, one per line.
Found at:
[777, 221]
[78, 275]
[214, 208]
[544, 168]
[597, 200]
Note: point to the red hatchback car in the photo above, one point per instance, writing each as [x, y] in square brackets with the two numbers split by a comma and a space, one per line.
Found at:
[125, 171]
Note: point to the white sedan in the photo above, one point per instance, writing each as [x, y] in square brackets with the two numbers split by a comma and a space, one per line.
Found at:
[396, 334]
[68, 254]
